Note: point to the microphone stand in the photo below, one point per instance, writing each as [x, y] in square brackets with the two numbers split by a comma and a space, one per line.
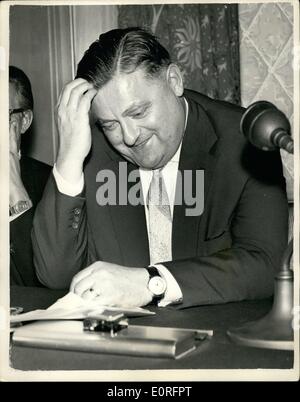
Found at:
[273, 331]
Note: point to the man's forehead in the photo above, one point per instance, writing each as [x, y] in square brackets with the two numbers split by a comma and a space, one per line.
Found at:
[122, 92]
[136, 80]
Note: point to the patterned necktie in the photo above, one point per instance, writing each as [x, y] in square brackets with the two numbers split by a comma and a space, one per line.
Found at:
[160, 220]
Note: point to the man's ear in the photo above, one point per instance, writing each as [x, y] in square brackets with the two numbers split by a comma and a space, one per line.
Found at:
[174, 78]
[26, 120]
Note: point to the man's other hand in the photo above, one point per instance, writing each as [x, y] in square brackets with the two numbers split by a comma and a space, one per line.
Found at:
[73, 126]
[17, 191]
[113, 285]
[14, 136]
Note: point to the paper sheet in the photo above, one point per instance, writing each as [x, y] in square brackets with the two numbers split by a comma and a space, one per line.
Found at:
[71, 307]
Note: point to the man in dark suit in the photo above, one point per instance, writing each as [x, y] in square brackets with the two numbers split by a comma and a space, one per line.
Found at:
[140, 225]
[27, 181]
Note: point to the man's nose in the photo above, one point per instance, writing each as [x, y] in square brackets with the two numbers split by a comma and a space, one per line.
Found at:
[130, 134]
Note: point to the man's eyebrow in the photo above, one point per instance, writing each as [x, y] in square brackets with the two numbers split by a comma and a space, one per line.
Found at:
[133, 108]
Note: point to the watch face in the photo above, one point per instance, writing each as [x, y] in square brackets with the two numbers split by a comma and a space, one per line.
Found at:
[157, 285]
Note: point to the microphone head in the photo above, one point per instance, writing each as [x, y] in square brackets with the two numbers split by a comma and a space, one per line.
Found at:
[260, 122]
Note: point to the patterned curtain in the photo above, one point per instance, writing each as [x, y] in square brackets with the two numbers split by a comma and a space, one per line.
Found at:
[203, 39]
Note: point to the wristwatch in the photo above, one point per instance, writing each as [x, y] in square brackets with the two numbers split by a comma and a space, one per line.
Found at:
[157, 285]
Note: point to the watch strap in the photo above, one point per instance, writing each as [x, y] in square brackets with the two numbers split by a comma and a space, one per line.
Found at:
[153, 271]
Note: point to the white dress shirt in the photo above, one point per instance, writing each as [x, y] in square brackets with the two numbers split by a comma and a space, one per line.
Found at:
[173, 292]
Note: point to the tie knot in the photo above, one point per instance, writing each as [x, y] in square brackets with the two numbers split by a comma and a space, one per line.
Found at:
[157, 174]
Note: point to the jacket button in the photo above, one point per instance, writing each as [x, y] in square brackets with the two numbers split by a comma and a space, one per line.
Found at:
[75, 225]
[77, 211]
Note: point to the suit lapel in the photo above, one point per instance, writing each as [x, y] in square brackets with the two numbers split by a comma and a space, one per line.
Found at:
[122, 227]
[130, 222]
[196, 154]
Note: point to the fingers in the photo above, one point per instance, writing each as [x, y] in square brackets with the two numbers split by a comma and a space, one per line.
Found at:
[78, 95]
[67, 89]
[78, 277]
[76, 91]
[73, 124]
[84, 286]
[85, 273]
[14, 167]
[90, 294]
[13, 137]
[88, 97]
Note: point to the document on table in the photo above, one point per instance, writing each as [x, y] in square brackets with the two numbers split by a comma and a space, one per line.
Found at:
[73, 307]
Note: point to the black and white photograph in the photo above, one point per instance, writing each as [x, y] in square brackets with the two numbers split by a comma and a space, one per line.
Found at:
[149, 206]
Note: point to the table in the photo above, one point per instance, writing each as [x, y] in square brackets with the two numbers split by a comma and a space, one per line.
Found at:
[217, 353]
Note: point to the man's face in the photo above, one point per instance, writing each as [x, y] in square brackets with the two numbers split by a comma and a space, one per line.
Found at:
[15, 119]
[142, 118]
[20, 120]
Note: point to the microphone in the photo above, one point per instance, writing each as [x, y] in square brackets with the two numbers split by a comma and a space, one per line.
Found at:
[266, 127]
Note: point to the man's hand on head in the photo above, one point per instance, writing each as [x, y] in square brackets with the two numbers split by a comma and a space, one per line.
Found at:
[73, 127]
[14, 137]
[17, 191]
[113, 285]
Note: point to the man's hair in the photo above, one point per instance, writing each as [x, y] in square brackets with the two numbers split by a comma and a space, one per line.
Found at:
[122, 51]
[22, 85]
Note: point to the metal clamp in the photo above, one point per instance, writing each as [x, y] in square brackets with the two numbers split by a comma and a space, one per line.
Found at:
[108, 321]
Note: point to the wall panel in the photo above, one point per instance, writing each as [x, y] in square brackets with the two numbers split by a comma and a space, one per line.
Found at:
[266, 52]
[29, 50]
[47, 43]
[88, 23]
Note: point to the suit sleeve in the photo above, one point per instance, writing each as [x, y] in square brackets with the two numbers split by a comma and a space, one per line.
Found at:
[246, 270]
[59, 237]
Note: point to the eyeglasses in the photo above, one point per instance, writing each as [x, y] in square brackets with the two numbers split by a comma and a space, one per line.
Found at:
[14, 111]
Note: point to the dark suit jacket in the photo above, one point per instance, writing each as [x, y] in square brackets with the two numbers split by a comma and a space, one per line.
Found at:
[34, 176]
[230, 252]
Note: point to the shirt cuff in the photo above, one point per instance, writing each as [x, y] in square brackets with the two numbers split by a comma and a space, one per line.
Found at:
[173, 294]
[15, 216]
[65, 187]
